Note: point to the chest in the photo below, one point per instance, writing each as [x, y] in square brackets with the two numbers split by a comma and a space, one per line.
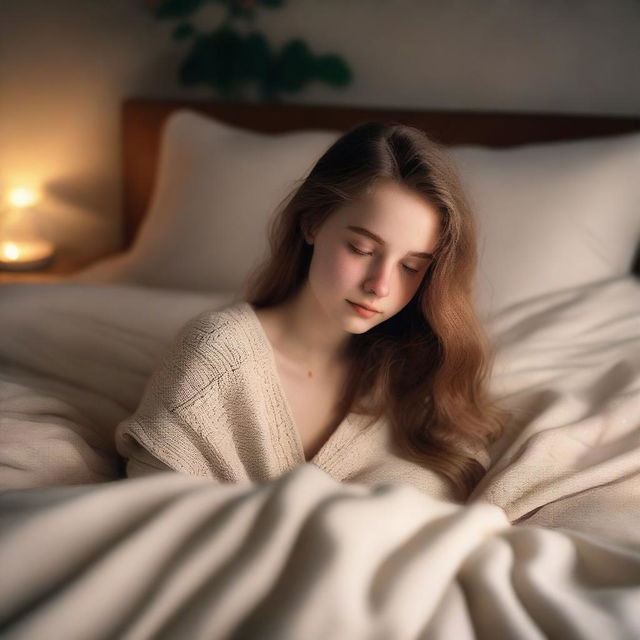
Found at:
[313, 401]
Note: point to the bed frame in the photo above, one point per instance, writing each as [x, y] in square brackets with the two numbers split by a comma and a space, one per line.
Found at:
[142, 121]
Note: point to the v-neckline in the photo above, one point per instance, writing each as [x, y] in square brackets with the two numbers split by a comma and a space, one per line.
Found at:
[291, 424]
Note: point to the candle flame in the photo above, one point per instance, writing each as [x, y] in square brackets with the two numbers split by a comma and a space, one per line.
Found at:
[22, 197]
[11, 251]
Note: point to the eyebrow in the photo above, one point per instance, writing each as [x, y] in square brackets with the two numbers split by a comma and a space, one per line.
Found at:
[365, 232]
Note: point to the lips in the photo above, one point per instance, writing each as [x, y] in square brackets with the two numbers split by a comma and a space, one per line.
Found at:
[364, 306]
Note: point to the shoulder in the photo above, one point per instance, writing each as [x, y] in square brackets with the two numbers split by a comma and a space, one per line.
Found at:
[211, 324]
[222, 338]
[208, 352]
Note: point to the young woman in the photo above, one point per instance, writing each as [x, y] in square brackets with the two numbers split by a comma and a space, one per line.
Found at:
[356, 346]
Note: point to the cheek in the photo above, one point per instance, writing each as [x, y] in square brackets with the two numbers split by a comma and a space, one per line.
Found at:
[413, 288]
[336, 269]
[348, 269]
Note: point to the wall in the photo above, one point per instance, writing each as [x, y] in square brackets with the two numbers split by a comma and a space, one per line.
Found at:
[65, 67]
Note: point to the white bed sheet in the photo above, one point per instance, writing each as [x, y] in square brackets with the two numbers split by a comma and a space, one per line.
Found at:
[74, 360]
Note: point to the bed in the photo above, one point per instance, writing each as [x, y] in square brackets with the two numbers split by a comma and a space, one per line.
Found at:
[546, 546]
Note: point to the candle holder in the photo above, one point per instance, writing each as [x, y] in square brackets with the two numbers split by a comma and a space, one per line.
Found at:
[22, 247]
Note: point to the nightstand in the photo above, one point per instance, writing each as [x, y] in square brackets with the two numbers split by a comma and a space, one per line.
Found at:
[64, 263]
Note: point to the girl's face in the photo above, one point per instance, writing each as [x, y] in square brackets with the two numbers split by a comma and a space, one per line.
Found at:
[363, 253]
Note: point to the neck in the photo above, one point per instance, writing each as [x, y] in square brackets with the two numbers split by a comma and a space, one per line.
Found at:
[307, 338]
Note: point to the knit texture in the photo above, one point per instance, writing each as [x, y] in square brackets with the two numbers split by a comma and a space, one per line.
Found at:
[215, 407]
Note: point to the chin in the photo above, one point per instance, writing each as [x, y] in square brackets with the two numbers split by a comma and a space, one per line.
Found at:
[363, 325]
[361, 331]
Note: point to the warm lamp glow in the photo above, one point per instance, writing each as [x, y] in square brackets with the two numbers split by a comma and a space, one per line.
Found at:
[10, 251]
[22, 197]
[25, 255]
[22, 247]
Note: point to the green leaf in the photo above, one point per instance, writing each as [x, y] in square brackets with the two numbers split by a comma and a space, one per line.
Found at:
[295, 66]
[183, 31]
[215, 59]
[193, 67]
[236, 11]
[256, 56]
[333, 70]
[168, 9]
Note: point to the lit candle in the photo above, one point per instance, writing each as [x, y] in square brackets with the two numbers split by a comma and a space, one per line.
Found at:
[21, 247]
[22, 197]
[25, 255]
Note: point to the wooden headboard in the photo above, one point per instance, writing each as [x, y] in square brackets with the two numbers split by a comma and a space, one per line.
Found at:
[142, 121]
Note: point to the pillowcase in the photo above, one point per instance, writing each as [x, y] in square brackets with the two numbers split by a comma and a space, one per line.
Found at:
[550, 216]
[217, 188]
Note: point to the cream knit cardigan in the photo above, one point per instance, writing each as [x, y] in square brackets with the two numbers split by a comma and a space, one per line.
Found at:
[215, 407]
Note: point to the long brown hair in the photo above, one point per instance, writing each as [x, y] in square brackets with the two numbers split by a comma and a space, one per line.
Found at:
[426, 368]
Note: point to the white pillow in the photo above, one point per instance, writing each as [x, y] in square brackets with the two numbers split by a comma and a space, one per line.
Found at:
[216, 190]
[550, 216]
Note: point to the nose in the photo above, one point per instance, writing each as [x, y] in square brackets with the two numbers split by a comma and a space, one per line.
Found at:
[378, 280]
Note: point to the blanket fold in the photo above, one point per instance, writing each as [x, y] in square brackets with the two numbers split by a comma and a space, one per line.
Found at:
[173, 556]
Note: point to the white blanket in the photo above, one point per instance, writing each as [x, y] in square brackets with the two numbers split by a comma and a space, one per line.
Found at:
[164, 556]
[171, 556]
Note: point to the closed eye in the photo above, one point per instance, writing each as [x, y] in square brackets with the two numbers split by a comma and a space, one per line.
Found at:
[364, 253]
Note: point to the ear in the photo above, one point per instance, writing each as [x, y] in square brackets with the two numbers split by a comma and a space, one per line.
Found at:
[308, 236]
